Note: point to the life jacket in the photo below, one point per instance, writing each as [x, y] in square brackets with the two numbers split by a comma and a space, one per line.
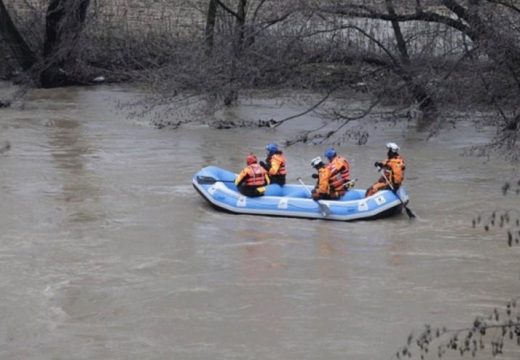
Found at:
[327, 184]
[394, 170]
[276, 159]
[339, 172]
[255, 175]
[337, 188]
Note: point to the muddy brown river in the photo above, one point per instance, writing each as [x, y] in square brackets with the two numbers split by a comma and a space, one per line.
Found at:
[107, 251]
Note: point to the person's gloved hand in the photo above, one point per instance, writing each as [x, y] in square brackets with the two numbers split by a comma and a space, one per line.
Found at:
[315, 176]
[378, 164]
[315, 195]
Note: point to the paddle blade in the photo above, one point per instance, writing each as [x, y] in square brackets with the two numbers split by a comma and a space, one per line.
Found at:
[324, 208]
[409, 212]
[206, 180]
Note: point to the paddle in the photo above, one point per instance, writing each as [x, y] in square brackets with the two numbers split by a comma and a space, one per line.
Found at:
[408, 211]
[324, 208]
[208, 180]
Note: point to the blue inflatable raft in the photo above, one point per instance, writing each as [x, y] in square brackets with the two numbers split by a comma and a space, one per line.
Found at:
[216, 185]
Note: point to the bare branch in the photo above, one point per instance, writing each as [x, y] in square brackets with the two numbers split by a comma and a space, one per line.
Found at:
[227, 9]
[509, 4]
[312, 108]
[257, 10]
[419, 15]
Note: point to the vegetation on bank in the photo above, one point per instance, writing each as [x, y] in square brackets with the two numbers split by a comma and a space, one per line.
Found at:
[493, 335]
[422, 56]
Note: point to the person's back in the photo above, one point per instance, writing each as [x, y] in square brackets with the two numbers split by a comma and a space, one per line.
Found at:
[252, 179]
[275, 165]
[396, 167]
[339, 168]
[392, 168]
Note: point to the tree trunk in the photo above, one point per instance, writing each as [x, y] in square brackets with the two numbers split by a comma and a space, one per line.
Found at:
[401, 43]
[64, 22]
[238, 41]
[426, 103]
[25, 57]
[210, 26]
[240, 27]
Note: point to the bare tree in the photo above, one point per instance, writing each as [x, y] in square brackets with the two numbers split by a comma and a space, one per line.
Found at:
[404, 68]
[63, 25]
[21, 51]
[489, 25]
[211, 19]
[234, 53]
[56, 66]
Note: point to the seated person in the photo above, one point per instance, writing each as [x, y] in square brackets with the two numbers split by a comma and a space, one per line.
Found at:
[393, 171]
[327, 187]
[338, 165]
[275, 164]
[252, 179]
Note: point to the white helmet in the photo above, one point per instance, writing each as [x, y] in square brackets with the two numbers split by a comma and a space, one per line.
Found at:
[392, 146]
[316, 161]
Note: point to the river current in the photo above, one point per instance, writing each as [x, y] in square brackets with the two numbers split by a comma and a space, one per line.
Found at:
[107, 251]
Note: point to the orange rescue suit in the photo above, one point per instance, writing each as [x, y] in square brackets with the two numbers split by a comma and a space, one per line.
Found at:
[277, 162]
[394, 171]
[393, 168]
[327, 186]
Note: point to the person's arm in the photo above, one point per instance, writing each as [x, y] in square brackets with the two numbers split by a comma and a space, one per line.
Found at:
[241, 177]
[379, 164]
[276, 162]
[323, 184]
[265, 165]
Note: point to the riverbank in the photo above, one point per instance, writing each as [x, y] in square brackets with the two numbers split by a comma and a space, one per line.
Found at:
[174, 56]
[339, 93]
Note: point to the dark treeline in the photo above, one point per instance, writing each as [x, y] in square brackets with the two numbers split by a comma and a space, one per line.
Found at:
[431, 56]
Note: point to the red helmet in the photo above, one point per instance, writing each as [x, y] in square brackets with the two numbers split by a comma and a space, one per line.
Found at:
[251, 159]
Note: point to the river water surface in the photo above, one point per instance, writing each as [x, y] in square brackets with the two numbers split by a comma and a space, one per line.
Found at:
[107, 251]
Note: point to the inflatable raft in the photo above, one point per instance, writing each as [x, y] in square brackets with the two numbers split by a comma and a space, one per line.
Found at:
[216, 185]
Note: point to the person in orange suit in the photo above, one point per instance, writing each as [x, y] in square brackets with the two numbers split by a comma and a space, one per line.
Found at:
[339, 168]
[393, 171]
[326, 188]
[275, 164]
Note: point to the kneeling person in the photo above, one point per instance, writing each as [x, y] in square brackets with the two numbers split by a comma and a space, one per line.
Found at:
[252, 179]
